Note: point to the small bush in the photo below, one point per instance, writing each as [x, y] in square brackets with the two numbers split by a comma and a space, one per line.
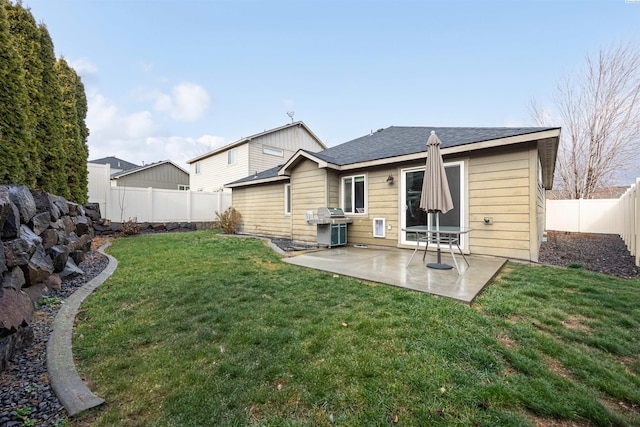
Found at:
[229, 220]
[131, 227]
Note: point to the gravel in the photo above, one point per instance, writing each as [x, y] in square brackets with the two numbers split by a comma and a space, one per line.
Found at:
[603, 253]
[24, 384]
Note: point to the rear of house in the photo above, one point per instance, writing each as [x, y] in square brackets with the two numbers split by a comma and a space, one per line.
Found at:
[497, 178]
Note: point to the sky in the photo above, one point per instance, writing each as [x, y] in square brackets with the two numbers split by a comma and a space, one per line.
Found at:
[174, 79]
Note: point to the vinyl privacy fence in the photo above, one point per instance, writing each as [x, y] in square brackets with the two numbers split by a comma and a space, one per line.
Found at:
[120, 204]
[607, 216]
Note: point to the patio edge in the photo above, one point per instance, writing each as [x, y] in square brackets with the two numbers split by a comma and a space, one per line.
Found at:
[72, 392]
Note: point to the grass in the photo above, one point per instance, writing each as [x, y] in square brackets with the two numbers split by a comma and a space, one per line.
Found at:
[196, 329]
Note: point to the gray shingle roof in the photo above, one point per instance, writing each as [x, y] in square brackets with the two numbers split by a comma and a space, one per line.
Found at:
[269, 173]
[398, 141]
[115, 163]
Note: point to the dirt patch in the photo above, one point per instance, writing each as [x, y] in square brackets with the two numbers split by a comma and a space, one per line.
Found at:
[577, 323]
[552, 422]
[506, 341]
[556, 367]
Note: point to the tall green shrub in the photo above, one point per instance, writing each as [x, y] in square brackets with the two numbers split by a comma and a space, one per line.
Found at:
[13, 102]
[26, 40]
[52, 177]
[75, 147]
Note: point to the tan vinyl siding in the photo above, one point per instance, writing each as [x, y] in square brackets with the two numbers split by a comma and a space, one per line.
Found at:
[288, 140]
[165, 176]
[308, 192]
[540, 215]
[500, 188]
[262, 210]
[382, 202]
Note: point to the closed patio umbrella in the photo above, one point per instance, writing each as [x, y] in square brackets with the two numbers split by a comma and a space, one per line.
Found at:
[436, 196]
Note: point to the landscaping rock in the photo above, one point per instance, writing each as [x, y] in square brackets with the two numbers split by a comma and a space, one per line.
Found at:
[22, 198]
[59, 255]
[11, 223]
[35, 227]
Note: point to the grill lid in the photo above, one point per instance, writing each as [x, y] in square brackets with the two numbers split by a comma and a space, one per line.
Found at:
[327, 212]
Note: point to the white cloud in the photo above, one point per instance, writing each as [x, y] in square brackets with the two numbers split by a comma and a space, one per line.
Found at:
[136, 138]
[84, 67]
[187, 102]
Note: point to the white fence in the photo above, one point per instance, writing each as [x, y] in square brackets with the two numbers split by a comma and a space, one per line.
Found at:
[607, 216]
[150, 204]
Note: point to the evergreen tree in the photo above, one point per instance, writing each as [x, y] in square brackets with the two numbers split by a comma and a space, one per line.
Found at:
[26, 39]
[82, 190]
[53, 176]
[74, 147]
[13, 101]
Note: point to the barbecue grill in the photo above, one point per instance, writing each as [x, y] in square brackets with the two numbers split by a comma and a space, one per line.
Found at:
[331, 226]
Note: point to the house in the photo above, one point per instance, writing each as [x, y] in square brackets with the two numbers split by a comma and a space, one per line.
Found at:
[115, 164]
[497, 176]
[250, 155]
[159, 175]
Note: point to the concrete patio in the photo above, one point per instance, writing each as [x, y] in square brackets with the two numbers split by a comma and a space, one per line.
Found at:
[389, 266]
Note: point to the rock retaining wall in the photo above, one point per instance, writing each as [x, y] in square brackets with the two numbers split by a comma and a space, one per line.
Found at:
[44, 237]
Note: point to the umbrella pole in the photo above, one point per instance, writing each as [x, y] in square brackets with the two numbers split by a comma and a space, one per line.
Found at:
[438, 265]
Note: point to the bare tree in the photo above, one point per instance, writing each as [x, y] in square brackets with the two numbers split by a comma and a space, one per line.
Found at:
[599, 111]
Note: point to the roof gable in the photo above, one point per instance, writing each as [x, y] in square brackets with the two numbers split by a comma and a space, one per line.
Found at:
[248, 139]
[146, 167]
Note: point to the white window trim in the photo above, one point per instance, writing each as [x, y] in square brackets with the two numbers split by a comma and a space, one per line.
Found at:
[287, 196]
[272, 151]
[353, 195]
[235, 156]
[198, 168]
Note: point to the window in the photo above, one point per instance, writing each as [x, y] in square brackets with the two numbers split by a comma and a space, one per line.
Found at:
[198, 168]
[231, 157]
[183, 187]
[353, 194]
[273, 151]
[287, 199]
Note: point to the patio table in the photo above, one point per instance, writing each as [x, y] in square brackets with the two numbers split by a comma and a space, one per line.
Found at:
[443, 234]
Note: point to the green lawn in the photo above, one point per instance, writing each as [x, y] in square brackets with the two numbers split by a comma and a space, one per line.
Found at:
[196, 329]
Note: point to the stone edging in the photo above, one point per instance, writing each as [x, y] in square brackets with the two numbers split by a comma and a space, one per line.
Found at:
[72, 392]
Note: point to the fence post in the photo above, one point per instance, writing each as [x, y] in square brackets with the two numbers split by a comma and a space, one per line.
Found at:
[189, 201]
[636, 229]
[150, 201]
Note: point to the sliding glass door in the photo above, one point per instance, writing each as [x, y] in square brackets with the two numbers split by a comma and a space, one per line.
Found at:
[412, 215]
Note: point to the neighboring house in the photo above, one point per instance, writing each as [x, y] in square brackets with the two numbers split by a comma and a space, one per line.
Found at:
[497, 176]
[250, 155]
[116, 165]
[160, 175]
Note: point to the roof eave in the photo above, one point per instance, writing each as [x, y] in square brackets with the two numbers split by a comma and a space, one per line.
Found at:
[257, 181]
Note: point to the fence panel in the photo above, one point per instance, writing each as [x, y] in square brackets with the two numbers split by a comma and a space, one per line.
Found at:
[99, 184]
[607, 216]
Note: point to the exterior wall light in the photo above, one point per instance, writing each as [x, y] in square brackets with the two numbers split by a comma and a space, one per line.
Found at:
[390, 179]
